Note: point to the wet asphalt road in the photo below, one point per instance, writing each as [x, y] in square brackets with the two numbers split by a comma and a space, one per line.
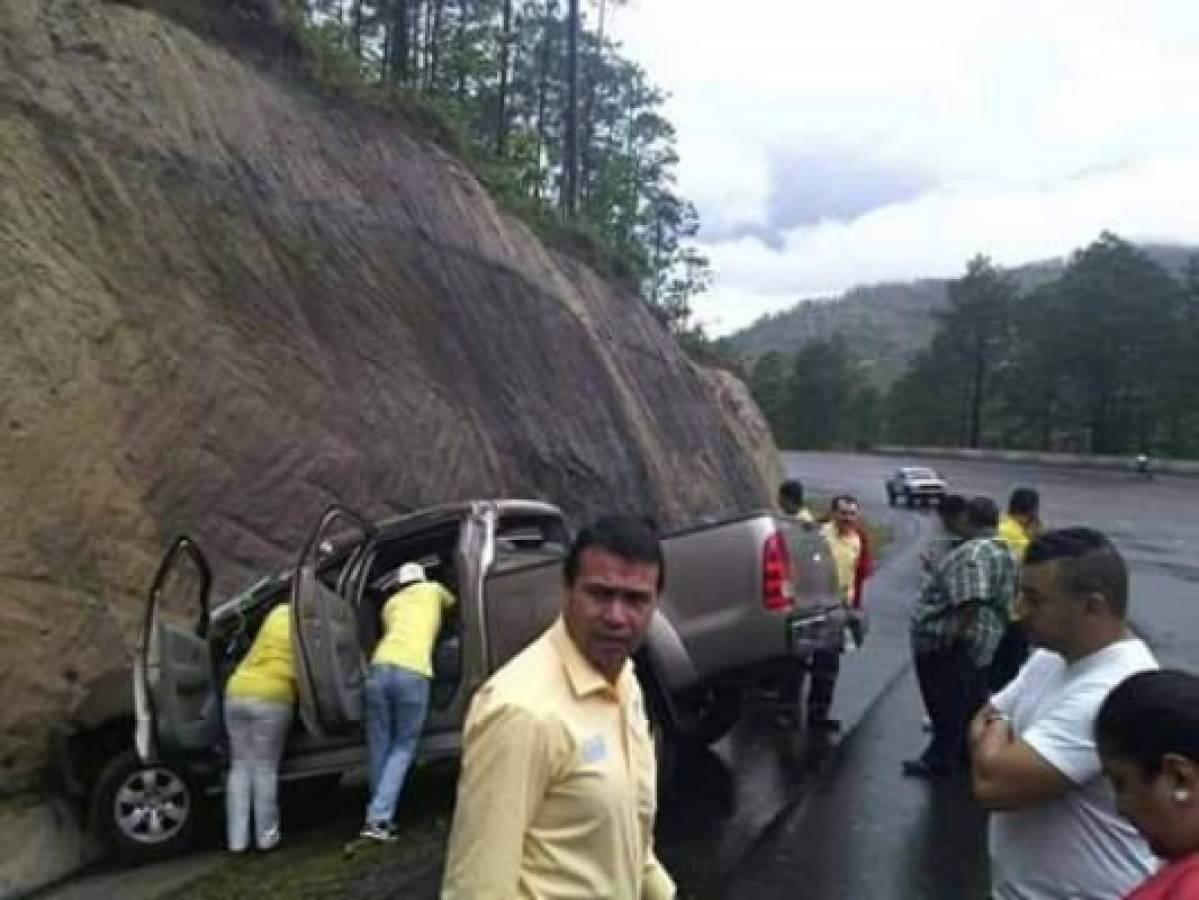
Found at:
[765, 813]
[864, 831]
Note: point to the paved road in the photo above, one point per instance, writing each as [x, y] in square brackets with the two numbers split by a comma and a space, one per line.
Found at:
[864, 830]
[764, 814]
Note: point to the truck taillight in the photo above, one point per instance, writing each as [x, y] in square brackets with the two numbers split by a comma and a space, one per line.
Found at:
[777, 590]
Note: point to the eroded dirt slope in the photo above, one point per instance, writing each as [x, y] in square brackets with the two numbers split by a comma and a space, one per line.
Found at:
[226, 301]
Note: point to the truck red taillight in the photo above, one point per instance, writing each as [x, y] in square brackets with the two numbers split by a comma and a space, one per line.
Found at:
[777, 590]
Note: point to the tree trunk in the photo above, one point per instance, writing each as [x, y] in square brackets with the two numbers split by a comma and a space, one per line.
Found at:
[542, 92]
[356, 28]
[438, 8]
[501, 118]
[587, 155]
[399, 42]
[460, 42]
[414, 43]
[570, 156]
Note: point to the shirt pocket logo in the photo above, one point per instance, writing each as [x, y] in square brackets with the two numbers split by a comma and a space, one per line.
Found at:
[594, 749]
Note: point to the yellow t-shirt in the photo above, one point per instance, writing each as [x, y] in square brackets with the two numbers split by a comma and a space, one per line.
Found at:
[1013, 534]
[267, 672]
[846, 548]
[1017, 539]
[411, 620]
[558, 790]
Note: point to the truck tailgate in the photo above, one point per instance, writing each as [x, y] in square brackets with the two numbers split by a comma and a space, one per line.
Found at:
[714, 591]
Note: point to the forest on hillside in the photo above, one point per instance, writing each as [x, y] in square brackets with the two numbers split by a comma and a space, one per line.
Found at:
[564, 130]
[1101, 358]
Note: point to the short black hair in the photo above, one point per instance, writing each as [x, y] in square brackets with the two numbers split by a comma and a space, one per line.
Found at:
[842, 498]
[1087, 563]
[1025, 501]
[951, 506]
[981, 512]
[630, 538]
[792, 490]
[1149, 715]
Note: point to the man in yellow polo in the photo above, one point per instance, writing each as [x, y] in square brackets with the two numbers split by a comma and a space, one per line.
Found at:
[558, 790]
[845, 541]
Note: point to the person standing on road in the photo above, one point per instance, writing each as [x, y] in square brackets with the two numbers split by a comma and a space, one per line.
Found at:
[1054, 830]
[843, 535]
[956, 625]
[791, 501]
[259, 698]
[397, 691]
[559, 785]
[1017, 527]
[952, 531]
[1148, 736]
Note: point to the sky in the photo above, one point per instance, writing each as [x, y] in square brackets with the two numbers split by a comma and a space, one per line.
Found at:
[829, 144]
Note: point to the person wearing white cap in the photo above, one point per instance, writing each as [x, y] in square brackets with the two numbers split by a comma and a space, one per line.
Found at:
[397, 690]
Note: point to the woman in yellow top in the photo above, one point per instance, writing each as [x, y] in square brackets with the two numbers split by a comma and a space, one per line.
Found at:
[258, 710]
[397, 691]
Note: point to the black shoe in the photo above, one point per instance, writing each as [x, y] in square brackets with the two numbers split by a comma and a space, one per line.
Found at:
[919, 768]
[825, 724]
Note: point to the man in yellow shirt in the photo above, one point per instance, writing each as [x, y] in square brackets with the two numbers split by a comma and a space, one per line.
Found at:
[845, 543]
[1017, 528]
[397, 690]
[558, 790]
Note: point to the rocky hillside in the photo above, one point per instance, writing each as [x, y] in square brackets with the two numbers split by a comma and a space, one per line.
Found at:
[888, 324]
[229, 299]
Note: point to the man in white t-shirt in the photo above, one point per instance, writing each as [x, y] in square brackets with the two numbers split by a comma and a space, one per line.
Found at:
[1054, 832]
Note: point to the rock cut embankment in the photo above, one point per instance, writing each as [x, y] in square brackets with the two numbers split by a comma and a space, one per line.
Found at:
[227, 300]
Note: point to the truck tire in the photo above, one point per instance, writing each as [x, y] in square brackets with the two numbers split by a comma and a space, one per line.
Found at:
[714, 715]
[144, 811]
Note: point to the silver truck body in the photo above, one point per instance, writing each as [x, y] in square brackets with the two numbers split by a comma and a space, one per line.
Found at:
[503, 560]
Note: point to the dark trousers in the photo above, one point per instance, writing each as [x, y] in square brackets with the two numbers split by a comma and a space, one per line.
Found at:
[954, 689]
[1010, 655]
[825, 667]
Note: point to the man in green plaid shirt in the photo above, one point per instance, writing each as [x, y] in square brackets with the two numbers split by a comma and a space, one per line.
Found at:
[956, 626]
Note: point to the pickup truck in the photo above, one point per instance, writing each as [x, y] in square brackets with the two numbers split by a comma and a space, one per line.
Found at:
[915, 484]
[745, 598]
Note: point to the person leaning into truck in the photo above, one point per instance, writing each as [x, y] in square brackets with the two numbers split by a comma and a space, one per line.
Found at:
[845, 541]
[558, 789]
[258, 708]
[397, 691]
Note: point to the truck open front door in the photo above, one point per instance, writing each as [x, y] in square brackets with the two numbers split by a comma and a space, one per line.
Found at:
[176, 708]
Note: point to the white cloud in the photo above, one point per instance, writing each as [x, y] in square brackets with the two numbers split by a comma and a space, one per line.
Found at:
[1035, 124]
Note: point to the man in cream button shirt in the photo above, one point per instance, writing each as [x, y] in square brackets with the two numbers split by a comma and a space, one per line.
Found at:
[558, 789]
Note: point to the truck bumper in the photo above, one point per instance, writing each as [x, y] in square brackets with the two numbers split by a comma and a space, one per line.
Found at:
[819, 631]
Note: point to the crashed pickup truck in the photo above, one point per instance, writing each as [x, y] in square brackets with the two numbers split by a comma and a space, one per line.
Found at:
[146, 746]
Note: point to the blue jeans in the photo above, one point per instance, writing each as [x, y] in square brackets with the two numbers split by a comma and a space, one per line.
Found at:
[396, 701]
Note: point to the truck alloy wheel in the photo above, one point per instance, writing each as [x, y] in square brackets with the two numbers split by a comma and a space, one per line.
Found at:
[144, 810]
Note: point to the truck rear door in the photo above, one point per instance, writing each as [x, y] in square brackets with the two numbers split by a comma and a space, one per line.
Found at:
[176, 708]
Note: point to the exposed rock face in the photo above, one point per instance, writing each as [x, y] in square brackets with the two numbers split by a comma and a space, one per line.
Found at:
[226, 301]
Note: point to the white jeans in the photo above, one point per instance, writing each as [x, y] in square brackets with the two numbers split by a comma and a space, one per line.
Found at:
[257, 733]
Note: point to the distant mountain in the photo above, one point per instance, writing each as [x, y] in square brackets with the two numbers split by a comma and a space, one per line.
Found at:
[887, 324]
